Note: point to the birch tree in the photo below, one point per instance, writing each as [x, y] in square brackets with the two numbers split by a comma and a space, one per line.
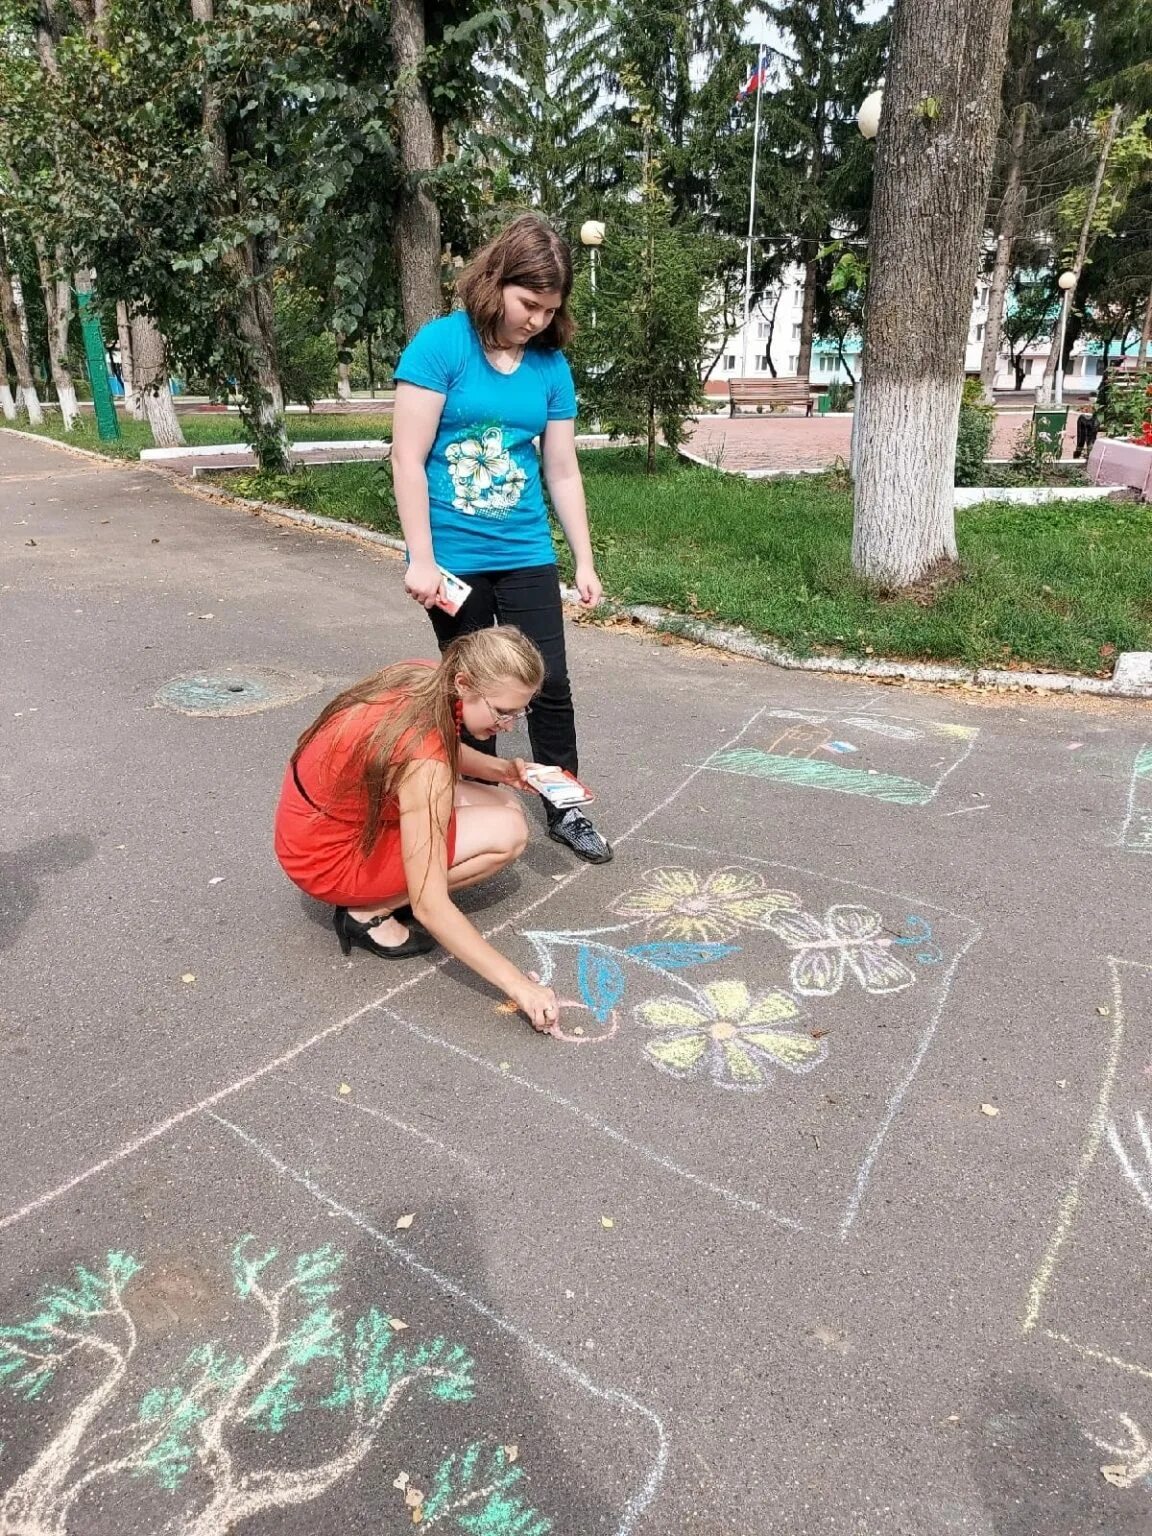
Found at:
[933, 169]
[27, 397]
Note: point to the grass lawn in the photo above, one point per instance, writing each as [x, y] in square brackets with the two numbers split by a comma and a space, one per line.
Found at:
[1065, 586]
[201, 428]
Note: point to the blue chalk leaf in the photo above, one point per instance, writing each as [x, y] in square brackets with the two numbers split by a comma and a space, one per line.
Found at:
[678, 957]
[601, 981]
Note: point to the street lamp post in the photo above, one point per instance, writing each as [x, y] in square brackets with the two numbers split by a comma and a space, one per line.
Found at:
[592, 236]
[868, 122]
[1066, 282]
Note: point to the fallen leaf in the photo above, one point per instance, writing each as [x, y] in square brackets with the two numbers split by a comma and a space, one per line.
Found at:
[606, 1221]
[989, 1109]
[405, 1222]
[30, 541]
[402, 1481]
[817, 1034]
[217, 879]
[413, 1497]
[345, 1088]
[1117, 1476]
[1062, 1082]
[1103, 1012]
[397, 1324]
[155, 541]
[205, 615]
[511, 1452]
[188, 976]
[507, 1006]
[417, 1515]
[557, 877]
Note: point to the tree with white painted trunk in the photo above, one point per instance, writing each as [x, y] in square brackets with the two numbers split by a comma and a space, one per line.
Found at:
[27, 398]
[151, 390]
[933, 169]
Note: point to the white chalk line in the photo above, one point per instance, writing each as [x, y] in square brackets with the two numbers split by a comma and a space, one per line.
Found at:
[348, 1102]
[731, 1196]
[1097, 1354]
[644, 1496]
[1069, 1205]
[163, 1127]
[1141, 1181]
[895, 1103]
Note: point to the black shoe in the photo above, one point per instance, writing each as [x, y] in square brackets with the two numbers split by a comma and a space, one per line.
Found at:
[575, 831]
[349, 932]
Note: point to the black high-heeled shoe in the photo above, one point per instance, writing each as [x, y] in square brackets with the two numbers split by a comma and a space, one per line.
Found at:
[349, 932]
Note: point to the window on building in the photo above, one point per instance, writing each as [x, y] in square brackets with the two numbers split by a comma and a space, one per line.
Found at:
[979, 330]
[796, 331]
[826, 363]
[793, 364]
[763, 330]
[1091, 367]
[729, 362]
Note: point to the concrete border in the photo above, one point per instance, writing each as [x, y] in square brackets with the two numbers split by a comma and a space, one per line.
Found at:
[1131, 679]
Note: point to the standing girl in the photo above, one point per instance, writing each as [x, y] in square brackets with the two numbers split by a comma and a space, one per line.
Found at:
[474, 390]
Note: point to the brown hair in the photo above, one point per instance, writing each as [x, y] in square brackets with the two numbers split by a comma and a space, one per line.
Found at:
[427, 702]
[530, 254]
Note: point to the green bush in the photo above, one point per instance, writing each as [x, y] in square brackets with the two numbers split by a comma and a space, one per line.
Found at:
[974, 434]
[840, 395]
[307, 352]
[1129, 405]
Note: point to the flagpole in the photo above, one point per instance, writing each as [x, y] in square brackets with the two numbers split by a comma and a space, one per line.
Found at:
[751, 213]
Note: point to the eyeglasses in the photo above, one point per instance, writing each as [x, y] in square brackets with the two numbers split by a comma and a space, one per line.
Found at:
[502, 717]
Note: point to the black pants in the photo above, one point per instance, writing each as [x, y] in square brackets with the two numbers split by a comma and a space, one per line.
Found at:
[1087, 431]
[530, 600]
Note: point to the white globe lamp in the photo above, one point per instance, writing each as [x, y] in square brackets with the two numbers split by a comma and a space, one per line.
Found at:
[592, 233]
[1066, 282]
[868, 117]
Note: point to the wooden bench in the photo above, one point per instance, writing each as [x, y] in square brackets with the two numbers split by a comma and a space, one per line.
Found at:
[772, 392]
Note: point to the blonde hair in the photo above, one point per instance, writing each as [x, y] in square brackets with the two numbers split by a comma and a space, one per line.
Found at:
[427, 699]
[530, 254]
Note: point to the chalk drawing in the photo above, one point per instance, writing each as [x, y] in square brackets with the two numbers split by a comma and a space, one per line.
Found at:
[165, 1127]
[792, 756]
[644, 1496]
[614, 977]
[736, 1038]
[1134, 1451]
[196, 1429]
[849, 940]
[1085, 1220]
[686, 908]
[1136, 833]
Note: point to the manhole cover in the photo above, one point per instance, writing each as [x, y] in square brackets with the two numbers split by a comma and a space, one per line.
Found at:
[239, 691]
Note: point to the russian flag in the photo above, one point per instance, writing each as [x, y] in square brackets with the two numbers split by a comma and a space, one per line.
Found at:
[754, 82]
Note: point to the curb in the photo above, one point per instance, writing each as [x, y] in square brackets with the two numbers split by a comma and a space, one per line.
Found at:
[1132, 678]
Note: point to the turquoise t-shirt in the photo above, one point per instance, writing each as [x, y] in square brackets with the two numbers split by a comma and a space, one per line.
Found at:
[486, 502]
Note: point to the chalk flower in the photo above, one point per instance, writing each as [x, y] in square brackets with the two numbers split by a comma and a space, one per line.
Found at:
[684, 907]
[846, 941]
[735, 1038]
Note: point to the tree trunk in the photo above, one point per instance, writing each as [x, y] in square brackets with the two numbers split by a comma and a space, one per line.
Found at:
[933, 168]
[343, 369]
[418, 227]
[1055, 361]
[1020, 368]
[127, 372]
[807, 322]
[150, 383]
[57, 289]
[14, 332]
[1008, 227]
[255, 319]
[7, 398]
[371, 366]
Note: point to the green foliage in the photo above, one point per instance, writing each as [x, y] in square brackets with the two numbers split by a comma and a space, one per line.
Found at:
[306, 351]
[1128, 406]
[974, 434]
[32, 1351]
[638, 354]
[482, 1480]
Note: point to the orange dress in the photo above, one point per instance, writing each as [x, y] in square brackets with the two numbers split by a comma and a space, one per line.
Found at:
[319, 820]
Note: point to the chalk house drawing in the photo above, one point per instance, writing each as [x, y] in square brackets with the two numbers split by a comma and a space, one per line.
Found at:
[1136, 833]
[1107, 1205]
[809, 750]
[192, 1430]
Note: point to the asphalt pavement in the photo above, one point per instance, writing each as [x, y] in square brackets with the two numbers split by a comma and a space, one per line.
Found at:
[827, 1212]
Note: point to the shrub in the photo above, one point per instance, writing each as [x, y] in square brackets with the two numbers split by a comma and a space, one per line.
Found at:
[1129, 405]
[974, 434]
